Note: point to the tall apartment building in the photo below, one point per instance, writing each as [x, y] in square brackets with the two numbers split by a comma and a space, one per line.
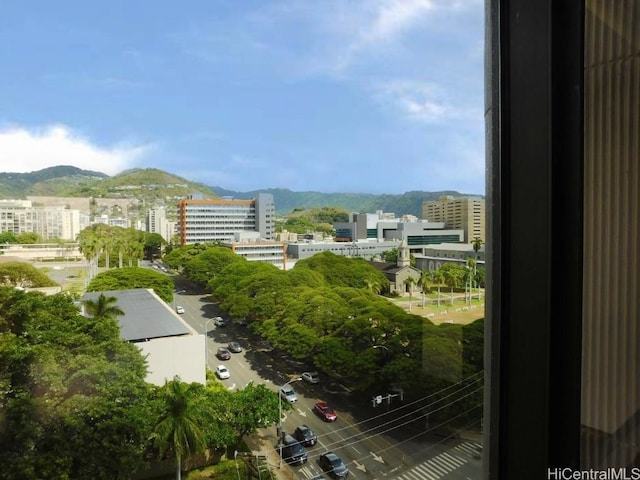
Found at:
[465, 213]
[20, 216]
[157, 223]
[217, 220]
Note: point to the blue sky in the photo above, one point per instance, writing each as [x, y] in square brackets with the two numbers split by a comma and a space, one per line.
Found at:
[361, 96]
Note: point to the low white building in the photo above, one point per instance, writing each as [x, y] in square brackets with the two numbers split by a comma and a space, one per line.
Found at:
[171, 346]
[250, 246]
[434, 256]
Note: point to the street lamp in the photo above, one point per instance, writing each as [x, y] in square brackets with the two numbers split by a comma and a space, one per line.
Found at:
[279, 428]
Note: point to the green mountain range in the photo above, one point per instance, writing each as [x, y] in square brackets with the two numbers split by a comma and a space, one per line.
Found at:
[152, 185]
[157, 187]
[408, 203]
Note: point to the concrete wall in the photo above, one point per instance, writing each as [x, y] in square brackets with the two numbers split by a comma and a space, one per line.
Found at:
[183, 356]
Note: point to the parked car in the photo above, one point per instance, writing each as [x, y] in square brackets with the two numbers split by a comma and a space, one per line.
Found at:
[179, 309]
[219, 321]
[333, 465]
[223, 354]
[325, 412]
[222, 372]
[235, 347]
[311, 377]
[287, 393]
[305, 436]
[292, 451]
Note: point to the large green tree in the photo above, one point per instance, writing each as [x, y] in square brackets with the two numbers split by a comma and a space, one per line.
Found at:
[25, 275]
[133, 277]
[342, 271]
[209, 263]
[74, 405]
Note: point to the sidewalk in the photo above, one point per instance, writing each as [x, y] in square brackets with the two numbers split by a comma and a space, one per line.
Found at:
[263, 443]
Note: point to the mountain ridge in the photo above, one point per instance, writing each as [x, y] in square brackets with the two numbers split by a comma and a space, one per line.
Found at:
[408, 203]
[155, 185]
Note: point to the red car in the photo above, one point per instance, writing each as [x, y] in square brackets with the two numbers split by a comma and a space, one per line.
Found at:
[325, 412]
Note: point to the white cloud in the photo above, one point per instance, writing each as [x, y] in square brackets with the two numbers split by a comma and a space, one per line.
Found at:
[24, 150]
[333, 35]
[391, 18]
[417, 100]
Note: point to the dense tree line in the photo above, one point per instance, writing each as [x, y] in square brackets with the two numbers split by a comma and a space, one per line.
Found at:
[325, 312]
[74, 403]
[21, 238]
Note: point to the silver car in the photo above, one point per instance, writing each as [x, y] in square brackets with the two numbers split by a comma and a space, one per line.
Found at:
[287, 393]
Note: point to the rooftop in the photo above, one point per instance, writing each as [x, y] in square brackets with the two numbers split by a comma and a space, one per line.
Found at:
[146, 315]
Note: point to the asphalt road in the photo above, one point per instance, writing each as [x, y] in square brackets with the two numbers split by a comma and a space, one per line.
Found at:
[372, 443]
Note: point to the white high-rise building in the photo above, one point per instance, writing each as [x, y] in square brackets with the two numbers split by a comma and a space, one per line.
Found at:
[20, 216]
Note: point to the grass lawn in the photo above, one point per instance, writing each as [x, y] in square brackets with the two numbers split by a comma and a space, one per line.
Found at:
[460, 312]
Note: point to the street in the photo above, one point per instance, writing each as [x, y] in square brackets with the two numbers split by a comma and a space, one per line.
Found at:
[370, 442]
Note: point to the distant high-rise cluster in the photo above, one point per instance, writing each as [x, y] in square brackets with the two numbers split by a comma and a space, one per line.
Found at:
[21, 216]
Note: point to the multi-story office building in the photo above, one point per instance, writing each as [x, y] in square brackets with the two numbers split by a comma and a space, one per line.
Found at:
[379, 227]
[466, 213]
[217, 220]
[20, 216]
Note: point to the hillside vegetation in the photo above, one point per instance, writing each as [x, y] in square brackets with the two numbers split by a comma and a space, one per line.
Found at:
[157, 187]
[54, 181]
[146, 184]
[409, 203]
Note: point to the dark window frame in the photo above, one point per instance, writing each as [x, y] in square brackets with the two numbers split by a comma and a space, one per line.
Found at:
[534, 138]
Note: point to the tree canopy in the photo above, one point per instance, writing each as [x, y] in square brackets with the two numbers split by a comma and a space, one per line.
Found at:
[74, 402]
[74, 405]
[133, 277]
[25, 275]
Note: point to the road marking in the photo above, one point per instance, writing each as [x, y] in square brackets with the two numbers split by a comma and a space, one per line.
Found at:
[377, 458]
[360, 466]
[302, 412]
[442, 464]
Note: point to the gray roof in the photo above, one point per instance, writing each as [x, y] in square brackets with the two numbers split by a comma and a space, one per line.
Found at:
[145, 317]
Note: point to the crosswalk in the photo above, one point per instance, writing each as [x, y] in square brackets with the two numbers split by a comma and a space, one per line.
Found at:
[443, 464]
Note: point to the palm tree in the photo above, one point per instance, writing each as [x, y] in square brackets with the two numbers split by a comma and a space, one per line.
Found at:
[89, 247]
[425, 277]
[179, 428]
[477, 243]
[471, 272]
[104, 312]
[410, 282]
[437, 276]
[103, 307]
[373, 286]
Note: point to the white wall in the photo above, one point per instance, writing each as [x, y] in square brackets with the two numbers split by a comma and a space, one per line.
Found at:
[183, 356]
